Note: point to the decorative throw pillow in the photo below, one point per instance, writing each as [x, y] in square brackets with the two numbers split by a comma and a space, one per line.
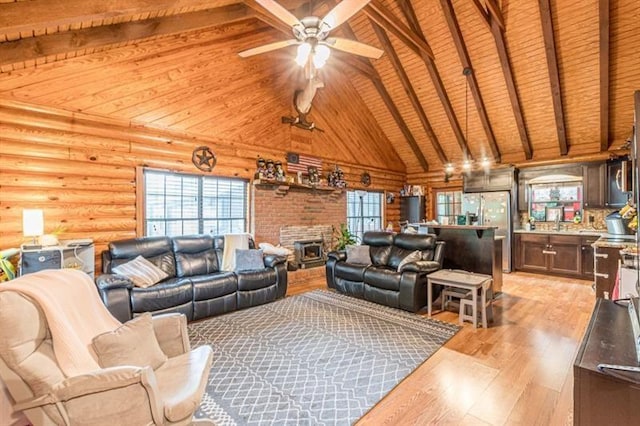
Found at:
[248, 260]
[410, 258]
[142, 272]
[358, 254]
[268, 248]
[133, 343]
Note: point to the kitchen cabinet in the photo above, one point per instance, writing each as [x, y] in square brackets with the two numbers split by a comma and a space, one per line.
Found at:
[593, 180]
[618, 182]
[550, 254]
[605, 269]
[587, 256]
[492, 180]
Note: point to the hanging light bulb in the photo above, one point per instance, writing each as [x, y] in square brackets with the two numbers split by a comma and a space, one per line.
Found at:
[486, 162]
[448, 168]
[466, 165]
[320, 55]
[304, 50]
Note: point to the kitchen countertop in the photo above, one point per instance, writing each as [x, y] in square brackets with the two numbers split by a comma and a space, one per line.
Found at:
[585, 232]
[605, 240]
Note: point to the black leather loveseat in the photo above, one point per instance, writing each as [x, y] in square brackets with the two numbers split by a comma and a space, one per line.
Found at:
[195, 287]
[380, 281]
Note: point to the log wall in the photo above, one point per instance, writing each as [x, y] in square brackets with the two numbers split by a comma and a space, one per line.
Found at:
[81, 170]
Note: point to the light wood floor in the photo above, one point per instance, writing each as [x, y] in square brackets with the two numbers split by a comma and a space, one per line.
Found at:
[518, 371]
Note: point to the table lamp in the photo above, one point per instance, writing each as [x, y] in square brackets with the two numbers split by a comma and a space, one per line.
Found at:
[32, 226]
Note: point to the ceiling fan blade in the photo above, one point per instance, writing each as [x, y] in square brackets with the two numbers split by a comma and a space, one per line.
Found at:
[267, 48]
[352, 46]
[343, 11]
[279, 12]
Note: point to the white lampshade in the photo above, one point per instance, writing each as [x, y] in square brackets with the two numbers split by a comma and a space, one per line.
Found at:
[32, 222]
[304, 50]
[320, 56]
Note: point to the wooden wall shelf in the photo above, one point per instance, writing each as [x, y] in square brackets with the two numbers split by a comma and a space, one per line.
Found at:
[282, 188]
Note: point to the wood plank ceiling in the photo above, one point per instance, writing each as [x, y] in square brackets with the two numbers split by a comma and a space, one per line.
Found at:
[547, 78]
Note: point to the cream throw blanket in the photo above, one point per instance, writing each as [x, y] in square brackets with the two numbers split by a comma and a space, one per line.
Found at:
[231, 243]
[75, 314]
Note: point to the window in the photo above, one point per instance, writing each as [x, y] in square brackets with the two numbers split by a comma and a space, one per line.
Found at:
[183, 204]
[449, 206]
[364, 212]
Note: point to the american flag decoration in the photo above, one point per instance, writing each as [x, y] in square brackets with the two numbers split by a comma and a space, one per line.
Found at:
[300, 163]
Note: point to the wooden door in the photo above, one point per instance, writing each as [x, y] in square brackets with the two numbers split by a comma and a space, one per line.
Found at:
[593, 180]
[587, 257]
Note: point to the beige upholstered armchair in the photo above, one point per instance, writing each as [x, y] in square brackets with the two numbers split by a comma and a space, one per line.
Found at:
[35, 334]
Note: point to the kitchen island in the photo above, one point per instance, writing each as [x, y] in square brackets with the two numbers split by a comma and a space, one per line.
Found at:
[470, 248]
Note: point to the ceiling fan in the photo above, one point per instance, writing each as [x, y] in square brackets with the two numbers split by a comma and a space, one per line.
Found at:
[312, 34]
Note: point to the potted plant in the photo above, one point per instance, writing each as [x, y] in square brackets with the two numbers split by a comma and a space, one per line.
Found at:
[7, 270]
[344, 237]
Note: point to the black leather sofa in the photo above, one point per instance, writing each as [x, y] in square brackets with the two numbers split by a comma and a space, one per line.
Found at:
[195, 287]
[381, 282]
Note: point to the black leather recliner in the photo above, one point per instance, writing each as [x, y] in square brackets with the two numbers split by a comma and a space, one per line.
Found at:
[195, 287]
[381, 282]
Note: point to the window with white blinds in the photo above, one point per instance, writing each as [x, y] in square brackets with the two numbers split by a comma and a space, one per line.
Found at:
[364, 212]
[183, 204]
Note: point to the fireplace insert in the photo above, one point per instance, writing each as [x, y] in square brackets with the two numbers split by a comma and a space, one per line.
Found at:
[308, 253]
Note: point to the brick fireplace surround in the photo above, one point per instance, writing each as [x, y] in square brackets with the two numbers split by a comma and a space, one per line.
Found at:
[272, 208]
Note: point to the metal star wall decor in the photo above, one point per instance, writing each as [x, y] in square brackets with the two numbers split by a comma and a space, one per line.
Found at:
[204, 159]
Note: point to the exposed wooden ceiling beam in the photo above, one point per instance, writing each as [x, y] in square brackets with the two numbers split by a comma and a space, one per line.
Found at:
[505, 63]
[393, 109]
[30, 48]
[495, 11]
[387, 20]
[603, 18]
[554, 74]
[26, 16]
[268, 18]
[483, 12]
[454, 28]
[408, 88]
[412, 18]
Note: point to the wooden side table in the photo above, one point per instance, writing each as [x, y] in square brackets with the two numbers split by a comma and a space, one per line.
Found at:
[467, 281]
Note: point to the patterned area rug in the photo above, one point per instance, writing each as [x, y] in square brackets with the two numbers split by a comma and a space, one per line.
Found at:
[319, 358]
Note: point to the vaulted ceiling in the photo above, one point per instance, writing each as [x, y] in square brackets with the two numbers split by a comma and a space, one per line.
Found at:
[549, 78]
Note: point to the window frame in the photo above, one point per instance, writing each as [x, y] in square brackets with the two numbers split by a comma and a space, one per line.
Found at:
[362, 217]
[141, 199]
[450, 205]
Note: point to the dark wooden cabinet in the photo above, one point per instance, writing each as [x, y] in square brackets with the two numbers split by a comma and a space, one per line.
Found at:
[551, 254]
[565, 255]
[600, 398]
[605, 269]
[618, 182]
[593, 181]
[493, 180]
[412, 209]
[587, 256]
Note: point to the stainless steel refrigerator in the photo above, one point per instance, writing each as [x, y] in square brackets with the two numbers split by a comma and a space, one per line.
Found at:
[493, 209]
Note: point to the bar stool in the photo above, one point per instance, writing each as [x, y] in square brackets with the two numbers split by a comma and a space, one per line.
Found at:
[469, 301]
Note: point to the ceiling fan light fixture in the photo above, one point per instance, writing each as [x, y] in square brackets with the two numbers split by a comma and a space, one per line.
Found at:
[321, 55]
[304, 50]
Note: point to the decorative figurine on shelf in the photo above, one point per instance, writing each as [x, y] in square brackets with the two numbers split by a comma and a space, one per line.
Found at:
[336, 178]
[270, 173]
[280, 177]
[261, 168]
[314, 176]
